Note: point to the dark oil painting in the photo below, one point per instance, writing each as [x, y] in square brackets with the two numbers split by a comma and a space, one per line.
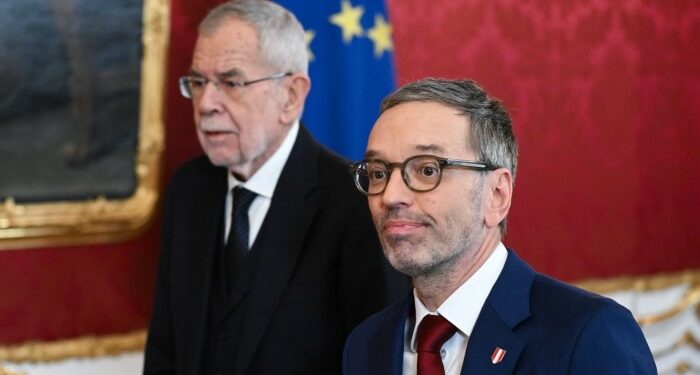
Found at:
[69, 98]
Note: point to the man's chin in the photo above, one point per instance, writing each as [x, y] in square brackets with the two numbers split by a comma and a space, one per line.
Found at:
[222, 160]
[403, 259]
[410, 268]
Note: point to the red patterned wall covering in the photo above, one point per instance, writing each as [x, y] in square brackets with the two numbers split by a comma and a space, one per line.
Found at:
[606, 101]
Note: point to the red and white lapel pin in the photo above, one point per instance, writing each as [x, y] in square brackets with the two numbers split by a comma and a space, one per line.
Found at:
[497, 355]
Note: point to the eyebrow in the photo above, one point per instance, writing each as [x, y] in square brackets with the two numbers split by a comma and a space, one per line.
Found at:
[195, 73]
[235, 72]
[430, 148]
[371, 154]
[230, 73]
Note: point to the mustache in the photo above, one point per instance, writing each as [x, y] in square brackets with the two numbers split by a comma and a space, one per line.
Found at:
[402, 214]
[212, 125]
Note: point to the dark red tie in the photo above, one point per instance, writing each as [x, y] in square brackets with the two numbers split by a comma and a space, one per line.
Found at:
[433, 332]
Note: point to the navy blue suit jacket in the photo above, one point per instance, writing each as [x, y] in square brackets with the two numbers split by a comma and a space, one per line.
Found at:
[545, 326]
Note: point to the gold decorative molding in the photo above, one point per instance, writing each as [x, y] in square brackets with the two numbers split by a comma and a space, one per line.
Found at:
[82, 347]
[682, 368]
[4, 371]
[691, 297]
[689, 340]
[641, 283]
[686, 340]
[106, 220]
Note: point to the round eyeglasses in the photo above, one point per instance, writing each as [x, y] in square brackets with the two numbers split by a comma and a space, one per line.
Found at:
[420, 173]
[193, 87]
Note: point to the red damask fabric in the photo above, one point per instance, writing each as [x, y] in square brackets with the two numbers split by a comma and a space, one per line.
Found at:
[606, 101]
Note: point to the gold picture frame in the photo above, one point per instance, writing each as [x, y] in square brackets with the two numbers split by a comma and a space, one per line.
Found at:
[99, 220]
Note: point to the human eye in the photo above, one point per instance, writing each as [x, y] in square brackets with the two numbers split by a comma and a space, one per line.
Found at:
[376, 173]
[425, 169]
[197, 83]
[428, 169]
[231, 84]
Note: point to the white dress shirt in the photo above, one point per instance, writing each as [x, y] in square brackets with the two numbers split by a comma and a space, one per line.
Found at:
[462, 309]
[262, 183]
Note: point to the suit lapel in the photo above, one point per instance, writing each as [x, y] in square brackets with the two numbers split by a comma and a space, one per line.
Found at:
[385, 348]
[294, 204]
[488, 336]
[208, 208]
[507, 305]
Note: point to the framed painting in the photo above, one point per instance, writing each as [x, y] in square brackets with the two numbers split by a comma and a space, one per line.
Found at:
[81, 119]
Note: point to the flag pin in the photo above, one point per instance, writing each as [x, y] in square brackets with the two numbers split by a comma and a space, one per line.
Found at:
[497, 355]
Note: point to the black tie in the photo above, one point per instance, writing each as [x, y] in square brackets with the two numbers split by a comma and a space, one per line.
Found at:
[237, 243]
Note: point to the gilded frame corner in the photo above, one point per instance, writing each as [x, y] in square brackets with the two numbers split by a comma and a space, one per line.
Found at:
[103, 220]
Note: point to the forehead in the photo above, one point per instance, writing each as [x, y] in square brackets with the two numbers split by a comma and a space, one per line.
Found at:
[233, 45]
[419, 127]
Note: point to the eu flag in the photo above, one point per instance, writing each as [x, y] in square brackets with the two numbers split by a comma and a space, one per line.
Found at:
[351, 68]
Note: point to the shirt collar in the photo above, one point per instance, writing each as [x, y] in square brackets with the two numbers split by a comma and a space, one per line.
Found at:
[264, 181]
[463, 306]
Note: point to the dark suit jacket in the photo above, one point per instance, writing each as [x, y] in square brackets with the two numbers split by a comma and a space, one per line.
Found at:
[545, 326]
[314, 272]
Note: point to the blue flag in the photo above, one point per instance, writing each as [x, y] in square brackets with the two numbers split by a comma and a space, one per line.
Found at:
[351, 68]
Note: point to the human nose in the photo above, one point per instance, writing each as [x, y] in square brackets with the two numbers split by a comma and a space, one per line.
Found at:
[210, 99]
[396, 192]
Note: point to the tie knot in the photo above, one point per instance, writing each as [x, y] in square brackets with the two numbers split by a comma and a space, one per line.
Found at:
[433, 332]
[242, 198]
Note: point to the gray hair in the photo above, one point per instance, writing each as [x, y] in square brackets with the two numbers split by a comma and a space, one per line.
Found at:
[491, 130]
[281, 37]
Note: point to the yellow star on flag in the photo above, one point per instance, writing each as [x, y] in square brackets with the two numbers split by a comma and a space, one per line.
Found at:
[348, 19]
[380, 35]
[309, 36]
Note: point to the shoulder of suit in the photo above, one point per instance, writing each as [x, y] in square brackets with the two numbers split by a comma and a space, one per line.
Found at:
[330, 158]
[197, 165]
[196, 172]
[334, 171]
[574, 301]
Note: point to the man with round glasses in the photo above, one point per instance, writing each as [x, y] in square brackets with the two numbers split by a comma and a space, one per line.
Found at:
[439, 173]
[268, 254]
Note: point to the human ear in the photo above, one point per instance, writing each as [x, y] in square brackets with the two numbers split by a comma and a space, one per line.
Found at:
[500, 193]
[296, 91]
